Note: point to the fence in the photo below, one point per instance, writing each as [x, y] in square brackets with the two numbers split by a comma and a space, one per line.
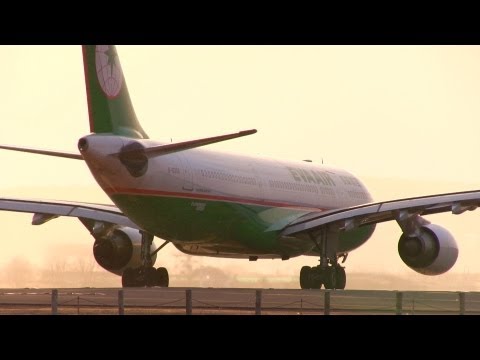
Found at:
[236, 301]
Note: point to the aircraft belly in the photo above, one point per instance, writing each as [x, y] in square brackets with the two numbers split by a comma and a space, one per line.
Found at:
[219, 226]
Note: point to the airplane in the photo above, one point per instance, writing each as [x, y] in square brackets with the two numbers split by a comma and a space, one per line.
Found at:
[209, 203]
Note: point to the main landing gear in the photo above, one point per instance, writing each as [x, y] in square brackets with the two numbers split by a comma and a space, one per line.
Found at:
[329, 273]
[332, 277]
[146, 275]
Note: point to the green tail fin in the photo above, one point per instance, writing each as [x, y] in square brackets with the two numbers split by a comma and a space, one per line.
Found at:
[109, 106]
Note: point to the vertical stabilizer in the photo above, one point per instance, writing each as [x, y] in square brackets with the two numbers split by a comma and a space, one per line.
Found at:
[109, 106]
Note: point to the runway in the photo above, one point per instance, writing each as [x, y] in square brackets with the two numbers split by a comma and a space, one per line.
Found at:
[237, 301]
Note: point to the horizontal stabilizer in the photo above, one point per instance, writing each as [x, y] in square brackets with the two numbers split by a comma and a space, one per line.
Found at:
[43, 152]
[171, 148]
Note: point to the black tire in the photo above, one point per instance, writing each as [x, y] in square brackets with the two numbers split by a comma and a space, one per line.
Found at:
[330, 278]
[305, 277]
[316, 279]
[128, 278]
[341, 277]
[150, 277]
[162, 277]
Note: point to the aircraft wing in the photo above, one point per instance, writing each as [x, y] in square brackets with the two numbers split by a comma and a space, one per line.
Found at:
[372, 213]
[45, 210]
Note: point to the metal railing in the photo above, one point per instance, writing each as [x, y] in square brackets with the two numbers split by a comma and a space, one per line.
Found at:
[241, 301]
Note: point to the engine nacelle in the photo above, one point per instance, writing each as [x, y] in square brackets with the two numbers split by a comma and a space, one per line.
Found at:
[432, 252]
[120, 249]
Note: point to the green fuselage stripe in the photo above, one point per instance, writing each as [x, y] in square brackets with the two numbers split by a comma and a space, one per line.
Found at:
[247, 228]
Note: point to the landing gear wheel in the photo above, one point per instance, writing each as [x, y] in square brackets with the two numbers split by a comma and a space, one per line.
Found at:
[341, 277]
[162, 277]
[128, 278]
[305, 277]
[150, 277]
[316, 279]
[335, 277]
[330, 278]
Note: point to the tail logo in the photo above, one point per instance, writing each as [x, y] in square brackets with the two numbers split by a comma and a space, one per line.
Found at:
[109, 71]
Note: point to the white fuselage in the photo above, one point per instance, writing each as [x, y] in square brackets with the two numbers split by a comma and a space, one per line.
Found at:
[205, 174]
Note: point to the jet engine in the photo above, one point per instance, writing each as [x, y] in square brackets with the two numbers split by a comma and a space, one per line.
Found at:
[431, 251]
[119, 249]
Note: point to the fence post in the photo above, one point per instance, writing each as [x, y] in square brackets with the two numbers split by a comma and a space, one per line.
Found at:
[398, 310]
[461, 298]
[258, 302]
[326, 307]
[188, 301]
[121, 306]
[54, 301]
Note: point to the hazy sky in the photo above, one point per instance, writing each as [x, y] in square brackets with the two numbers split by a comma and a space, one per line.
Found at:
[382, 112]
